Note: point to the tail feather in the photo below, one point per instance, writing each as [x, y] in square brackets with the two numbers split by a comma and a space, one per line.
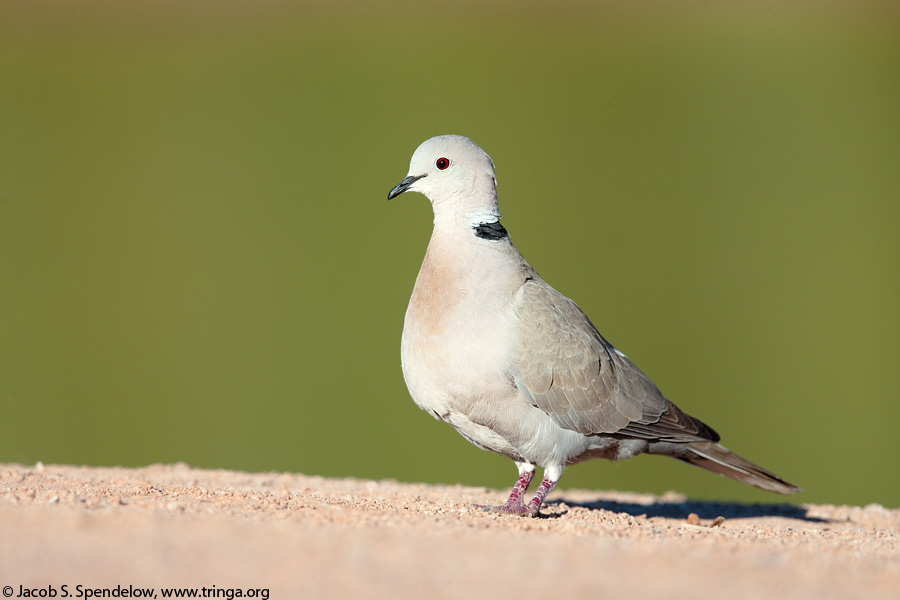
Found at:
[719, 459]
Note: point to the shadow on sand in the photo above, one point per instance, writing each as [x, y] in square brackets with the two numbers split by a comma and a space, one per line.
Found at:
[704, 510]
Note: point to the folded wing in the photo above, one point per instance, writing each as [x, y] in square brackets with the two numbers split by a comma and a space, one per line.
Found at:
[562, 365]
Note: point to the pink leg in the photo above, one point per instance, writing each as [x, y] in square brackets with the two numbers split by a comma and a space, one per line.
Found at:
[534, 507]
[515, 504]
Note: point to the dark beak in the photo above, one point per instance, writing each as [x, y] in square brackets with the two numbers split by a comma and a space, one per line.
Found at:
[403, 186]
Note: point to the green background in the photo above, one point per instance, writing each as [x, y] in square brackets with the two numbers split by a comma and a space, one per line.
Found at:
[198, 262]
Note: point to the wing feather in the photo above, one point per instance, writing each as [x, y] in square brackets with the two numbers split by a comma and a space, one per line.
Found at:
[563, 366]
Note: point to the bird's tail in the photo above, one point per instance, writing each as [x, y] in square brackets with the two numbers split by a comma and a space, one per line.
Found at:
[719, 459]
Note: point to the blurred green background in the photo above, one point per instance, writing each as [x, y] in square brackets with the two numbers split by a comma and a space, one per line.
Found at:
[198, 262]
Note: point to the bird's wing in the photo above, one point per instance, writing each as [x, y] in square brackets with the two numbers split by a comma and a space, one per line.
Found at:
[562, 365]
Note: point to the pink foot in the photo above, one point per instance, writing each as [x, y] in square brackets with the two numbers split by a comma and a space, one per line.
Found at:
[515, 505]
[506, 509]
[534, 507]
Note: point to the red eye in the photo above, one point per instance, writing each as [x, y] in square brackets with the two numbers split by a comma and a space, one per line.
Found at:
[442, 163]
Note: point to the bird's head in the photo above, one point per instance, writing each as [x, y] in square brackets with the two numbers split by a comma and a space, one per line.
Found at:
[455, 175]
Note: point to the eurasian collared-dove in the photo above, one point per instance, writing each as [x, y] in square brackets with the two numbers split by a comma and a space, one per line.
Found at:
[514, 365]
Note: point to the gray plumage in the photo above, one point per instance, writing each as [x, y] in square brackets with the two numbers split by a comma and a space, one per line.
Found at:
[515, 366]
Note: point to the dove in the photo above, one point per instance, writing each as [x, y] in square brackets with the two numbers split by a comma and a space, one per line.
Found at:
[515, 366]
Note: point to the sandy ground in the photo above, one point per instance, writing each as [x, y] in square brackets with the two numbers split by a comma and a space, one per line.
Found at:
[292, 536]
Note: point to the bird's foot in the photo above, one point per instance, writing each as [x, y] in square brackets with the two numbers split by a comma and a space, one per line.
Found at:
[515, 504]
[518, 508]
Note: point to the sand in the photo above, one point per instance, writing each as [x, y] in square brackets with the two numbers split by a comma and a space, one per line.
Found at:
[114, 531]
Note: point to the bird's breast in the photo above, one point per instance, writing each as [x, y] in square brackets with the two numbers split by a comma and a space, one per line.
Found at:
[455, 334]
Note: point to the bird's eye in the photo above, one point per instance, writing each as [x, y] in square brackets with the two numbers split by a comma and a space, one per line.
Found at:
[442, 163]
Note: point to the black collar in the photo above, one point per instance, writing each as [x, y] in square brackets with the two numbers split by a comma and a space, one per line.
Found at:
[490, 231]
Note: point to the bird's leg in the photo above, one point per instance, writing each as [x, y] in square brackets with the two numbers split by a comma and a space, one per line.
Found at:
[515, 500]
[515, 504]
[547, 485]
